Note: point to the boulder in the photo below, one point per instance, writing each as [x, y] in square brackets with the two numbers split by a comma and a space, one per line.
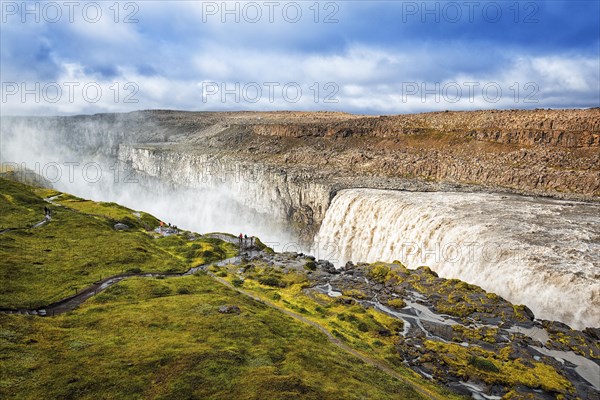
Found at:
[228, 309]
[529, 313]
[593, 332]
[327, 267]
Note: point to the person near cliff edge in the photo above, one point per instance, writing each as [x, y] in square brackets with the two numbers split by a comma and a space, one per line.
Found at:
[240, 238]
[246, 240]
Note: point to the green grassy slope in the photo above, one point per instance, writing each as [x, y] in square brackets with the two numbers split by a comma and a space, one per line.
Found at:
[153, 338]
[80, 246]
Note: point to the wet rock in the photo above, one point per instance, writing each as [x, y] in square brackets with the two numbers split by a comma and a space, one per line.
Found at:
[529, 313]
[523, 392]
[427, 367]
[460, 389]
[497, 390]
[345, 300]
[487, 319]
[120, 226]
[327, 267]
[594, 333]
[556, 327]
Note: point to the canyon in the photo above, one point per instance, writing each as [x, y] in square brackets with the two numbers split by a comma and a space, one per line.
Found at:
[283, 176]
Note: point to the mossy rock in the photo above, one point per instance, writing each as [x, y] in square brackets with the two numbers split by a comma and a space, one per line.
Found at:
[379, 272]
[396, 303]
[271, 280]
[483, 364]
[310, 266]
[355, 293]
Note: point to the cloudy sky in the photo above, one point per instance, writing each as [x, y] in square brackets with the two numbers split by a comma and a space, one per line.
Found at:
[61, 58]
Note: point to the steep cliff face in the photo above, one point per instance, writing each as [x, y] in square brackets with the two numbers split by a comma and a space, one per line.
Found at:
[553, 152]
[289, 164]
[288, 196]
[540, 171]
[542, 152]
[576, 128]
[247, 169]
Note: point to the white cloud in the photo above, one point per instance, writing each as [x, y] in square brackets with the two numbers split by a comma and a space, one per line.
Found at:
[360, 79]
[573, 74]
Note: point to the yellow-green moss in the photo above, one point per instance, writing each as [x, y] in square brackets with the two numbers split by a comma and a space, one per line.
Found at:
[143, 339]
[396, 303]
[76, 248]
[510, 372]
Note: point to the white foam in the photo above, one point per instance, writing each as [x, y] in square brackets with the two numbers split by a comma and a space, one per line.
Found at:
[538, 252]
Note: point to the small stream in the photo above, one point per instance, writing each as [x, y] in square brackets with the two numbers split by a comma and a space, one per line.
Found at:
[414, 314]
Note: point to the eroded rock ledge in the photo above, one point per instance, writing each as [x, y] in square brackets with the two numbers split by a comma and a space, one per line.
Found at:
[565, 128]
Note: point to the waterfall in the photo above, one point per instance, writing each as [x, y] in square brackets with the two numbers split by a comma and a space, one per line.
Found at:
[542, 253]
[538, 252]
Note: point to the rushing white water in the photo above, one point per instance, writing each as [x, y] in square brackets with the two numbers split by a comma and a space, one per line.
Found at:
[538, 252]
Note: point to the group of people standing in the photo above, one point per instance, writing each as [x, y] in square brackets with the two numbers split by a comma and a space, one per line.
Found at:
[168, 229]
[243, 240]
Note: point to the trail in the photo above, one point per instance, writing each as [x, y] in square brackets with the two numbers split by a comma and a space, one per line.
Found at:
[337, 342]
[46, 219]
[72, 302]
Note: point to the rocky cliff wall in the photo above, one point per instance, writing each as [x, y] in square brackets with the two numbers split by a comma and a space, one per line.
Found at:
[564, 128]
[289, 196]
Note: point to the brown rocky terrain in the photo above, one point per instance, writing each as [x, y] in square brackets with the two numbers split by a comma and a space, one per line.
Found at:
[554, 152]
[303, 158]
[566, 128]
[549, 152]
